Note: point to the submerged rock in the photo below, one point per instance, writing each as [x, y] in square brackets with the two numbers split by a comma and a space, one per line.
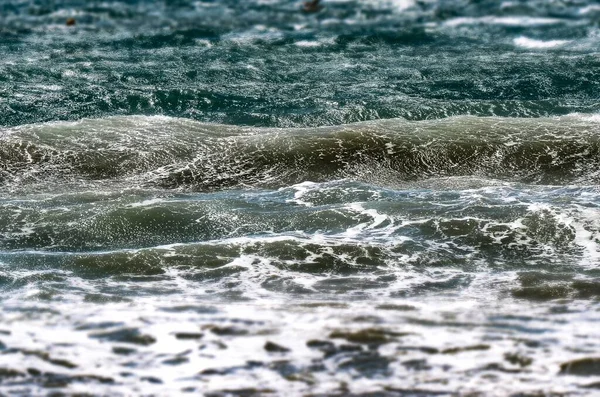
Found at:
[589, 366]
[126, 335]
[320, 344]
[123, 350]
[369, 364]
[245, 392]
[275, 348]
[10, 373]
[228, 331]
[424, 349]
[454, 350]
[367, 336]
[517, 359]
[46, 357]
[400, 308]
[416, 365]
[189, 335]
[152, 379]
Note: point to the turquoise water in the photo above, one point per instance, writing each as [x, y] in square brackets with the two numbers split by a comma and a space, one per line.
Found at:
[384, 198]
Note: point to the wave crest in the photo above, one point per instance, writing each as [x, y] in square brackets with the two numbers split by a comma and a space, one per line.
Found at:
[178, 153]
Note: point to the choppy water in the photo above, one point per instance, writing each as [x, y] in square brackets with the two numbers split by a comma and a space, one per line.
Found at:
[386, 198]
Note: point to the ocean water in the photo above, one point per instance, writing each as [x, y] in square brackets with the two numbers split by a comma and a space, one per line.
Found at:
[237, 198]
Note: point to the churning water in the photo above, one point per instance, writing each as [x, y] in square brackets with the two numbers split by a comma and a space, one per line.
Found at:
[235, 198]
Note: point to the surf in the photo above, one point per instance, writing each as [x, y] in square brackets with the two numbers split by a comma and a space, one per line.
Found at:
[176, 153]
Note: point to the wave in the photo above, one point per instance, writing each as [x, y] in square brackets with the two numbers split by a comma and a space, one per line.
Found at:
[518, 223]
[178, 153]
[312, 238]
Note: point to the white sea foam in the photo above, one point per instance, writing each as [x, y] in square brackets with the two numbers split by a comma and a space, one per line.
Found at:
[507, 21]
[308, 43]
[399, 5]
[587, 236]
[589, 9]
[588, 117]
[486, 323]
[526, 42]
[301, 190]
[50, 87]
[402, 5]
[147, 203]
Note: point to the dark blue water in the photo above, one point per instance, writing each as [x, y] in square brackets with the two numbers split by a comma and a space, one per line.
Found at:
[268, 64]
[239, 198]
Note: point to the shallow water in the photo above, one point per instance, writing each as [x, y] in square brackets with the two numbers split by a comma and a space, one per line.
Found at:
[387, 198]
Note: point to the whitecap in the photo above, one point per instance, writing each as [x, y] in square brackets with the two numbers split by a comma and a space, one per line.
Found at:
[308, 43]
[507, 21]
[526, 42]
[589, 9]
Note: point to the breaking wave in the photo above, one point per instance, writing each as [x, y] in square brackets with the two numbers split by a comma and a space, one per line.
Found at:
[176, 153]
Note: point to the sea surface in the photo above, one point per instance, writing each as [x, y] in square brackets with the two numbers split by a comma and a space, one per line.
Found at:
[237, 198]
